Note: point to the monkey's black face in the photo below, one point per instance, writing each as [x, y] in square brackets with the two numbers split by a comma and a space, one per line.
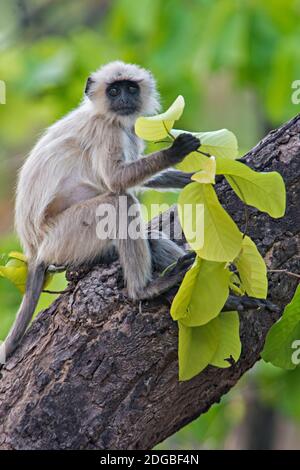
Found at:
[124, 97]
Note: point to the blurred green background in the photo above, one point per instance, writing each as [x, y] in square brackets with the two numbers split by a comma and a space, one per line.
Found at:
[233, 61]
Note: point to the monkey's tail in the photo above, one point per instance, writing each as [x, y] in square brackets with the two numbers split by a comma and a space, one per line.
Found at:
[34, 287]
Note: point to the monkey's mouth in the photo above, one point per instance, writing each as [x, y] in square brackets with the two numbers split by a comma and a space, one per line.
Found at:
[126, 110]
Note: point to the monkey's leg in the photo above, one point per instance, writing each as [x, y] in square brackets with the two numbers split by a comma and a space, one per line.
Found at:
[164, 283]
[166, 254]
[132, 245]
[72, 237]
[136, 258]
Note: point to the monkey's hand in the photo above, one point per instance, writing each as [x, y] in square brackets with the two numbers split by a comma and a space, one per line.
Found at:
[181, 147]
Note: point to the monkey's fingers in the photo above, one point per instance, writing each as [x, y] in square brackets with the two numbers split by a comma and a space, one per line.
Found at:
[186, 143]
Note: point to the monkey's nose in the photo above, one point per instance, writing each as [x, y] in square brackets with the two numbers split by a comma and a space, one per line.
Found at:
[124, 101]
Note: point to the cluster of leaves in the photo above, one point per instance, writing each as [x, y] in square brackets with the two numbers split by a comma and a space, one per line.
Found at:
[226, 260]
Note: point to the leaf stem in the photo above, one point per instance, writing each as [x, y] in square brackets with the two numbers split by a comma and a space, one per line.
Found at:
[46, 291]
[161, 142]
[203, 153]
[167, 269]
[167, 131]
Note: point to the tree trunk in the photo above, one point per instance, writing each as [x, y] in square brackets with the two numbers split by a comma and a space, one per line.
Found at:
[98, 371]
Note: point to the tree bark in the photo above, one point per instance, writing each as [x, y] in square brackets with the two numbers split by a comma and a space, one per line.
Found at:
[98, 371]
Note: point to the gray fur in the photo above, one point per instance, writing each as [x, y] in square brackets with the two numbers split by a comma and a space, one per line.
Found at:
[169, 179]
[89, 158]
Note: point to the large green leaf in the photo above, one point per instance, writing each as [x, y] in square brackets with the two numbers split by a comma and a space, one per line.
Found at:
[222, 238]
[157, 127]
[283, 338]
[220, 143]
[229, 346]
[196, 347]
[265, 191]
[252, 270]
[202, 293]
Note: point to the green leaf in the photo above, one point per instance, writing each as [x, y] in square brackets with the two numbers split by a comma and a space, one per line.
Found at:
[192, 163]
[16, 272]
[265, 191]
[18, 255]
[157, 127]
[208, 172]
[57, 282]
[222, 238]
[202, 293]
[196, 347]
[191, 214]
[283, 338]
[48, 279]
[229, 345]
[220, 143]
[235, 284]
[252, 270]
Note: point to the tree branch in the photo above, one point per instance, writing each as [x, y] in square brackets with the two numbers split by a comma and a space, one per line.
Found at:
[97, 371]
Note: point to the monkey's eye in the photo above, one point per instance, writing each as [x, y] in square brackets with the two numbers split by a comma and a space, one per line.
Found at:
[132, 89]
[113, 91]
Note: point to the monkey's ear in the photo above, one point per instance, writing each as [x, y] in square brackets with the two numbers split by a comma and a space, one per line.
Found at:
[89, 82]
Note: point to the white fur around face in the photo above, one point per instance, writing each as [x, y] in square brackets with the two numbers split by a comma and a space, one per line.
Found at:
[115, 71]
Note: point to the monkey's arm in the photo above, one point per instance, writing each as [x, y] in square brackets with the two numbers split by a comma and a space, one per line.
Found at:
[169, 179]
[120, 175]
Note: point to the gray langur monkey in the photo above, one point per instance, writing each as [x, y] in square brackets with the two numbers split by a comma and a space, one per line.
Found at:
[88, 158]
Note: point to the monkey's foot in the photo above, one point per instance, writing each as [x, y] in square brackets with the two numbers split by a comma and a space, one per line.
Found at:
[185, 261]
[172, 278]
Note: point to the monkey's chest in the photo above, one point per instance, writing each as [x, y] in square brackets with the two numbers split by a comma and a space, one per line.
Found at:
[131, 146]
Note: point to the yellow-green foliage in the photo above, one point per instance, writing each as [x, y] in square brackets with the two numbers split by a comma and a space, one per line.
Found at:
[207, 336]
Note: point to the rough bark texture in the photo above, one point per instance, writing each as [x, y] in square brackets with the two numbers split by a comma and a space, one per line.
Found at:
[97, 371]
